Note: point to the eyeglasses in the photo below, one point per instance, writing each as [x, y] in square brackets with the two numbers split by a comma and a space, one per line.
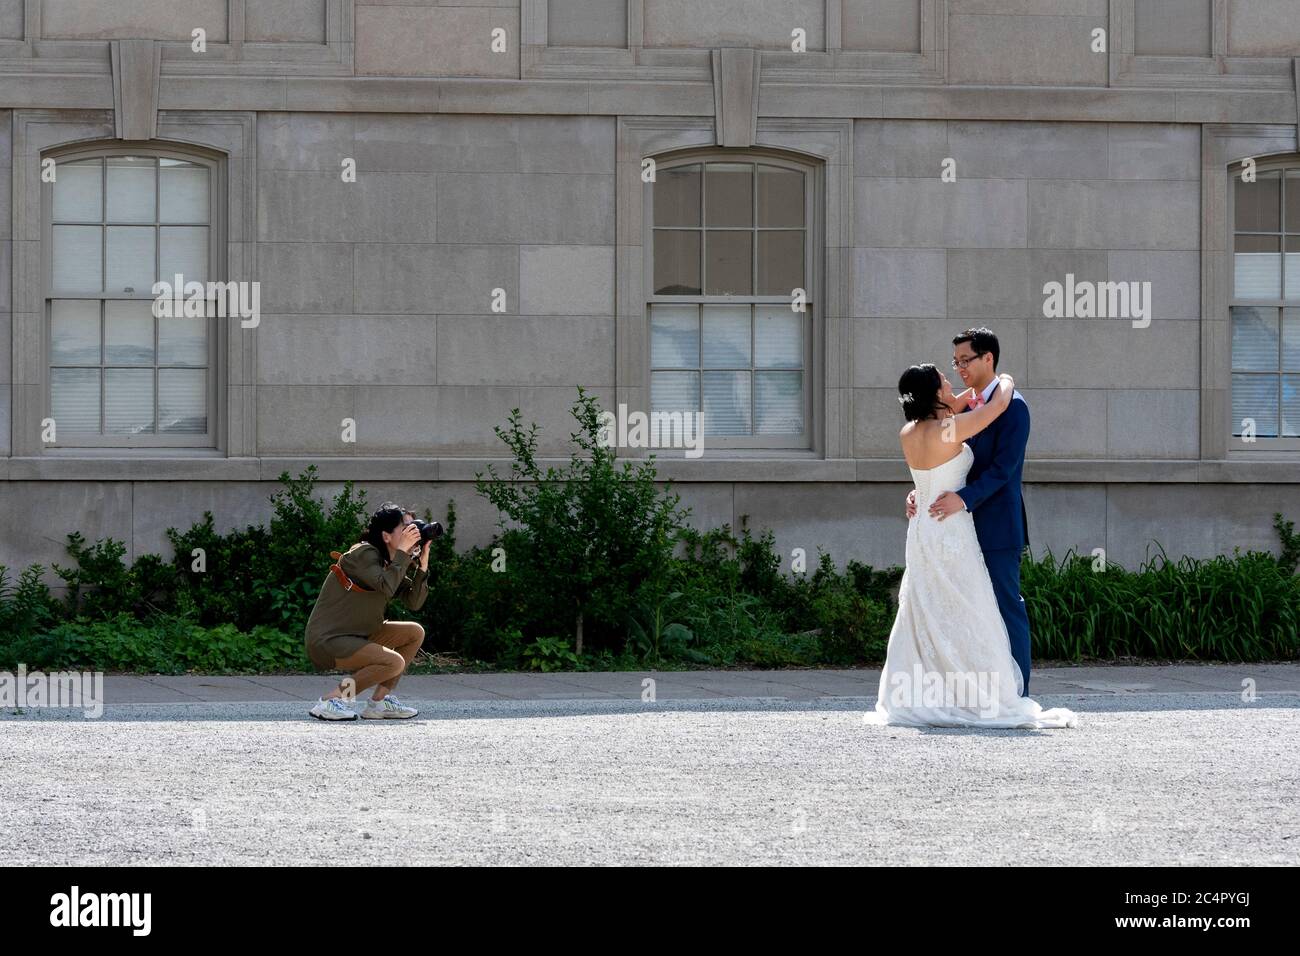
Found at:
[962, 363]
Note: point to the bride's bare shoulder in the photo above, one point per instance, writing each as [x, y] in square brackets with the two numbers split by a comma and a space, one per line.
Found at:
[916, 431]
[914, 438]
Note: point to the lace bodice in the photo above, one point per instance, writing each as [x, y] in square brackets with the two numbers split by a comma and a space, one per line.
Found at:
[950, 476]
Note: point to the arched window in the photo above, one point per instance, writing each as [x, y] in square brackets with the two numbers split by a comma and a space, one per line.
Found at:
[730, 241]
[1265, 302]
[118, 219]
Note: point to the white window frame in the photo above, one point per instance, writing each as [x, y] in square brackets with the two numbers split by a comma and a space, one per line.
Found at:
[226, 134]
[812, 228]
[1275, 163]
[827, 145]
[216, 272]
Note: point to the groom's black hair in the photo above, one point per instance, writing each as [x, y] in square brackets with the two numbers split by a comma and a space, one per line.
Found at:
[981, 340]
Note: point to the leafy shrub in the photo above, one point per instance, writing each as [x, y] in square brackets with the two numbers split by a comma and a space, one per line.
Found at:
[268, 575]
[1289, 559]
[742, 609]
[161, 646]
[586, 542]
[594, 565]
[1240, 608]
[102, 585]
[550, 654]
[26, 605]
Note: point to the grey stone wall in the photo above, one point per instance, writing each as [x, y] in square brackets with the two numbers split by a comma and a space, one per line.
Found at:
[395, 274]
[1032, 203]
[481, 170]
[849, 520]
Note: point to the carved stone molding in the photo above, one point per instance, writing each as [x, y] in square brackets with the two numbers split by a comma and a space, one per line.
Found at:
[735, 95]
[137, 66]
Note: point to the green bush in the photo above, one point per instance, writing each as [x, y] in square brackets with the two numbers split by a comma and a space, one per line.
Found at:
[585, 545]
[1289, 558]
[594, 566]
[550, 654]
[102, 585]
[26, 605]
[741, 609]
[158, 646]
[268, 575]
[471, 610]
[1240, 608]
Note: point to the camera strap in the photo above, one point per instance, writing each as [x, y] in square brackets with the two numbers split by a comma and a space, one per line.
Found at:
[347, 582]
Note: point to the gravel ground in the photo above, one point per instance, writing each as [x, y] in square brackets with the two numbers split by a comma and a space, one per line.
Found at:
[1145, 779]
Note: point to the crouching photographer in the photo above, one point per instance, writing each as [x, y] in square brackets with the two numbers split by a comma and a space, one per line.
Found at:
[347, 630]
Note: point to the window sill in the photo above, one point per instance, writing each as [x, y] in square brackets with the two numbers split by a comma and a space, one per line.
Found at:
[131, 453]
[767, 468]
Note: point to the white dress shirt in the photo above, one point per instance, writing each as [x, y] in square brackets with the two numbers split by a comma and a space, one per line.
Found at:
[988, 391]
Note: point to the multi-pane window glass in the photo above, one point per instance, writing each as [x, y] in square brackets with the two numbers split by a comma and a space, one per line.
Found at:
[730, 245]
[741, 365]
[1266, 371]
[729, 229]
[1266, 261]
[118, 225]
[1265, 324]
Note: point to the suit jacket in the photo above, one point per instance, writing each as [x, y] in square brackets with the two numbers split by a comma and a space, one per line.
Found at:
[992, 493]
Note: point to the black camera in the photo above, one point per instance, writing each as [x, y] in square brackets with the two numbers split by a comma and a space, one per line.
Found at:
[428, 529]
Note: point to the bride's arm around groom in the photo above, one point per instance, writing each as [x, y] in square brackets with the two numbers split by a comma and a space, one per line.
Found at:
[1007, 459]
[971, 423]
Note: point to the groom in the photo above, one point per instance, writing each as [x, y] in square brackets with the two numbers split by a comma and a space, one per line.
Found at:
[992, 492]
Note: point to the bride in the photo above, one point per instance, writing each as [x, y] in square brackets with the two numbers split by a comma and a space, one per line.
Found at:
[949, 660]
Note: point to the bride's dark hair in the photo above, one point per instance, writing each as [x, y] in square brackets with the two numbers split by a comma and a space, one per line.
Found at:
[918, 393]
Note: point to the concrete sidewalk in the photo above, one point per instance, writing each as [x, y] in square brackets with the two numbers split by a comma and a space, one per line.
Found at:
[790, 685]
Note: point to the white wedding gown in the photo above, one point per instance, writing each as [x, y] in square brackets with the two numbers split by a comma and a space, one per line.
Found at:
[949, 661]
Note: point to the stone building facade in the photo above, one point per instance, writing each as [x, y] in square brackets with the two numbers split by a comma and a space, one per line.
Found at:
[444, 206]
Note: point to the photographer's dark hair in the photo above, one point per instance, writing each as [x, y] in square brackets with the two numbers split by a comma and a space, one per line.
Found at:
[387, 518]
[981, 340]
[918, 392]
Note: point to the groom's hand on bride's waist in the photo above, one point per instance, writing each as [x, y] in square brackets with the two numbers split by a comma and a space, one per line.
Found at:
[910, 510]
[947, 504]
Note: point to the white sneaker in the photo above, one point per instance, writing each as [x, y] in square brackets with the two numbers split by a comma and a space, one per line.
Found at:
[332, 708]
[390, 706]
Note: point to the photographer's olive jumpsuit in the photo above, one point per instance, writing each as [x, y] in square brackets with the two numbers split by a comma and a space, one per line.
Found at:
[347, 630]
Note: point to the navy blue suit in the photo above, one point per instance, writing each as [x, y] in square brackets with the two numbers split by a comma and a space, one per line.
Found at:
[992, 496]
